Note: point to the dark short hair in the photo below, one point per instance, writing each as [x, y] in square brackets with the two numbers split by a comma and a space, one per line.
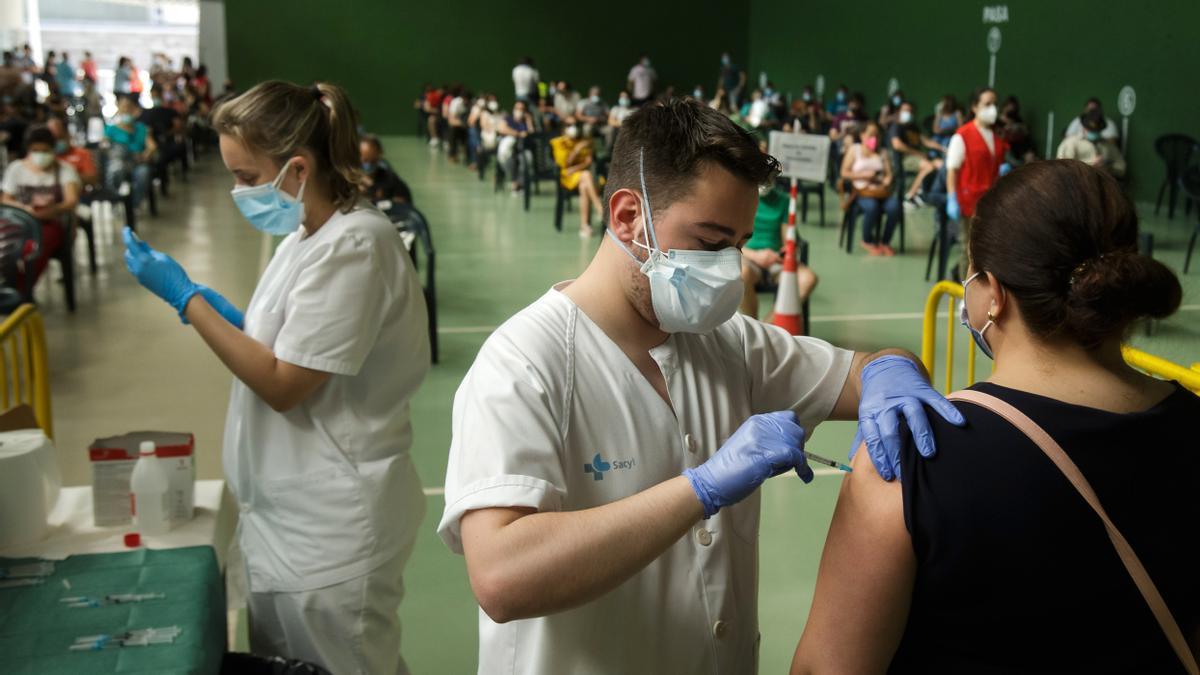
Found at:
[373, 140]
[978, 93]
[1062, 237]
[678, 136]
[1093, 120]
[39, 133]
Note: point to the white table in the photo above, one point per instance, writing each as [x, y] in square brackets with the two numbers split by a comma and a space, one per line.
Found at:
[71, 528]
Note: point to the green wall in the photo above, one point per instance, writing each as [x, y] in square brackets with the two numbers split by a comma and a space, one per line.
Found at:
[383, 50]
[1054, 54]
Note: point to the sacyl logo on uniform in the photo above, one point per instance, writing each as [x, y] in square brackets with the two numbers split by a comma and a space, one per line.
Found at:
[598, 467]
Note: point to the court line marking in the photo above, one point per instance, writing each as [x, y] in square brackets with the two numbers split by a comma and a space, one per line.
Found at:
[836, 318]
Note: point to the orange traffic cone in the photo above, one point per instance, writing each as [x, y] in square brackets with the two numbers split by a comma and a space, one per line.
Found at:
[787, 297]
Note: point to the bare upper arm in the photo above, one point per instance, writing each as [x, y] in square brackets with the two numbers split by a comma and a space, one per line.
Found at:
[478, 529]
[295, 384]
[864, 585]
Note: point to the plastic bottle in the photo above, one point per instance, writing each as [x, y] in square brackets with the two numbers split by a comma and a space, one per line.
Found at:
[148, 492]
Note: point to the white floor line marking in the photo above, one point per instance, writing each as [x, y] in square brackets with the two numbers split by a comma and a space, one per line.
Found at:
[835, 318]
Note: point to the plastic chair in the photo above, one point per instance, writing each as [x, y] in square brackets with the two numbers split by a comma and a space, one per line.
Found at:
[542, 167]
[1176, 151]
[409, 219]
[20, 244]
[24, 367]
[1190, 182]
[805, 188]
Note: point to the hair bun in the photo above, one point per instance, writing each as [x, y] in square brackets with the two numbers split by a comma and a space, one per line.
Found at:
[1115, 289]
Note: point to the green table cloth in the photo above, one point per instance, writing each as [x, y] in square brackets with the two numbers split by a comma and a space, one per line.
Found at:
[37, 630]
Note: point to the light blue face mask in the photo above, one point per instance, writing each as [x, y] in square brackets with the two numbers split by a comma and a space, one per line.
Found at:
[691, 291]
[980, 340]
[268, 208]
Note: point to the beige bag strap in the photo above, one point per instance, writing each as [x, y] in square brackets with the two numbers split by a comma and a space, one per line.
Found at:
[1134, 566]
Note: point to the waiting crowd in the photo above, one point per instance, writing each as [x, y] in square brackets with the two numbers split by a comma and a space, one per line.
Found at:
[946, 159]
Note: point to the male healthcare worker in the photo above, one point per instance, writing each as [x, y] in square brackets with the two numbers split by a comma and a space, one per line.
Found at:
[609, 439]
[334, 347]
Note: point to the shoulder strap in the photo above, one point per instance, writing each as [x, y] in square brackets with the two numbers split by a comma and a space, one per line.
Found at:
[1132, 564]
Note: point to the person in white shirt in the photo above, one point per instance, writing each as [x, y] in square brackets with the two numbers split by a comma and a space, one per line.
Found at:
[525, 79]
[334, 346]
[642, 80]
[1109, 133]
[586, 548]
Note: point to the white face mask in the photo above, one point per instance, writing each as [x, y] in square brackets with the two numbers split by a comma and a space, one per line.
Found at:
[42, 160]
[572, 131]
[493, 106]
[986, 115]
[905, 117]
[691, 291]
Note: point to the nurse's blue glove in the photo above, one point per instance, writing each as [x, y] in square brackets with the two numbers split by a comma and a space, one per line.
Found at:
[158, 272]
[893, 387]
[1005, 168]
[952, 210]
[764, 446]
[224, 307]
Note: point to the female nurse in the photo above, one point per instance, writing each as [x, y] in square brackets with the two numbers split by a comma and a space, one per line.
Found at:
[331, 350]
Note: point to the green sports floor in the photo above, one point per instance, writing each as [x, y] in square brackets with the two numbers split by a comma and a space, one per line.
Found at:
[123, 361]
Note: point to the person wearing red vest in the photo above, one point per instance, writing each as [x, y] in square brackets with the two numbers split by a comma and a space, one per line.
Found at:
[974, 157]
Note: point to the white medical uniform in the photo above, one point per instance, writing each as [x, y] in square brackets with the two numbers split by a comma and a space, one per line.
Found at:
[554, 416]
[329, 498]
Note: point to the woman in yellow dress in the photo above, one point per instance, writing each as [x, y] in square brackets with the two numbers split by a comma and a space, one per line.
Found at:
[573, 155]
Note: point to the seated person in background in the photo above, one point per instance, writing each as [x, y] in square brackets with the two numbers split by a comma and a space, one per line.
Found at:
[481, 129]
[1091, 148]
[566, 100]
[762, 257]
[932, 573]
[868, 168]
[841, 101]
[79, 159]
[947, 119]
[617, 115]
[573, 153]
[1012, 128]
[848, 122]
[1109, 133]
[167, 128]
[12, 128]
[514, 128]
[889, 114]
[45, 187]
[383, 185]
[756, 112]
[592, 113]
[130, 151]
[907, 141]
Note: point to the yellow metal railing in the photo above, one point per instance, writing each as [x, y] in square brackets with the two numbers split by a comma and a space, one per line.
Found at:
[1147, 363]
[24, 373]
[953, 292]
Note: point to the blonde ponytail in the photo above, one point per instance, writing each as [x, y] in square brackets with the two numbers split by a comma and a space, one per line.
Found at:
[278, 118]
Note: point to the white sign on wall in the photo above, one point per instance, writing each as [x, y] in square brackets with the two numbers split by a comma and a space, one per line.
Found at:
[820, 86]
[803, 156]
[995, 14]
[993, 45]
[1126, 102]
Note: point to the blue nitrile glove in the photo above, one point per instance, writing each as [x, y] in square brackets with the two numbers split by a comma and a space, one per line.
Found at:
[893, 386]
[1005, 168]
[158, 272]
[952, 209]
[224, 307]
[764, 446]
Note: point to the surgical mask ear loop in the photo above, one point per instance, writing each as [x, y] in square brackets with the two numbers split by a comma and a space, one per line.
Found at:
[278, 182]
[651, 244]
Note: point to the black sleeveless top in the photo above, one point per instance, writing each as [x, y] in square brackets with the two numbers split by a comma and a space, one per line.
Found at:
[1015, 573]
